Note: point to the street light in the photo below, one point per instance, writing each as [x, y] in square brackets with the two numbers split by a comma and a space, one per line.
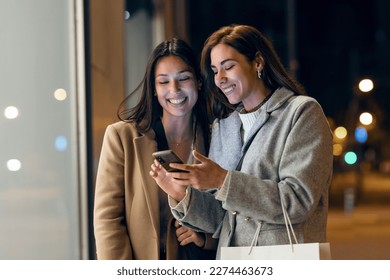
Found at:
[366, 85]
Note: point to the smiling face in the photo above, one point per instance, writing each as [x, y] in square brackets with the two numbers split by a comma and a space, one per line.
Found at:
[176, 86]
[236, 76]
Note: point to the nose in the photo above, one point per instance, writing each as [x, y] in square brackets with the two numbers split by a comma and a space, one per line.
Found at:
[175, 87]
[219, 78]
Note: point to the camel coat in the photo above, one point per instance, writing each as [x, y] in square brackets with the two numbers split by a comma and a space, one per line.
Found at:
[126, 210]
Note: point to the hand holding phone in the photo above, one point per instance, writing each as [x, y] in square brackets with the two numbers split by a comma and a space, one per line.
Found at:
[166, 157]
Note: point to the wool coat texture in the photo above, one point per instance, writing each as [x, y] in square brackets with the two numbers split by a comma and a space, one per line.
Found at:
[290, 159]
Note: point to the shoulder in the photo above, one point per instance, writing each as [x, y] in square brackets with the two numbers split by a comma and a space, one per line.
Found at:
[121, 127]
[122, 132]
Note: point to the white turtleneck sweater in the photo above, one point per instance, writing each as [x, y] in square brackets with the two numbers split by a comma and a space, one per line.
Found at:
[248, 119]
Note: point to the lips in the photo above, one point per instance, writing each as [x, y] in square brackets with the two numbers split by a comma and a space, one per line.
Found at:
[228, 90]
[177, 100]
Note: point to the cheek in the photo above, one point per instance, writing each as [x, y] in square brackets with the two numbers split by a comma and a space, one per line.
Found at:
[161, 99]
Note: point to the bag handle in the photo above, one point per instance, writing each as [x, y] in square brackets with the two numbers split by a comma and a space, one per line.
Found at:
[289, 228]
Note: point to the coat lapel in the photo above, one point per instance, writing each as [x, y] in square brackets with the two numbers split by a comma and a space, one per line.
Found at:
[278, 98]
[144, 148]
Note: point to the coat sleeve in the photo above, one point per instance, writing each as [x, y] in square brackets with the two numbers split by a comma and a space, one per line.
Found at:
[204, 213]
[301, 173]
[112, 240]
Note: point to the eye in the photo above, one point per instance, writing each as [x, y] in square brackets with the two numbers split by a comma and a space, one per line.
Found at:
[184, 78]
[228, 67]
[162, 82]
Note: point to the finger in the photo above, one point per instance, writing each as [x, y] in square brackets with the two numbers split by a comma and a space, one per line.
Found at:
[185, 236]
[153, 174]
[157, 164]
[179, 175]
[180, 231]
[177, 224]
[198, 156]
[181, 166]
[153, 167]
[185, 241]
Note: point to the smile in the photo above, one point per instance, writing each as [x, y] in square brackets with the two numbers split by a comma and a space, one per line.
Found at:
[177, 101]
[228, 89]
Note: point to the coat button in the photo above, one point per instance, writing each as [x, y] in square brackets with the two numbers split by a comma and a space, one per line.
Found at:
[247, 219]
[234, 212]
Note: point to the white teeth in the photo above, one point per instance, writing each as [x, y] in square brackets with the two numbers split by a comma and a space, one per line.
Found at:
[177, 101]
[228, 90]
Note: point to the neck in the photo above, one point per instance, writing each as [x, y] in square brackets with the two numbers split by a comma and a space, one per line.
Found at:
[250, 109]
[178, 131]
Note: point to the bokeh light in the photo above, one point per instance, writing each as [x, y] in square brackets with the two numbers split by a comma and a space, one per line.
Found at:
[14, 165]
[361, 134]
[340, 132]
[11, 112]
[366, 85]
[350, 158]
[366, 118]
[60, 94]
[337, 149]
[61, 143]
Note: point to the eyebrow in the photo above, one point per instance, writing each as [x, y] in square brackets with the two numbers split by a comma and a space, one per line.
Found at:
[224, 61]
[178, 73]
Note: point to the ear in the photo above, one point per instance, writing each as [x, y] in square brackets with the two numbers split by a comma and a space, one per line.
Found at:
[259, 61]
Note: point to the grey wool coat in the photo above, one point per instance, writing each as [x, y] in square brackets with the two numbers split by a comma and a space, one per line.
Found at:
[290, 159]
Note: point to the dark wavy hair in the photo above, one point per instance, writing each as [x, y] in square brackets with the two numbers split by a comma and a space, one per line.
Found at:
[148, 109]
[250, 42]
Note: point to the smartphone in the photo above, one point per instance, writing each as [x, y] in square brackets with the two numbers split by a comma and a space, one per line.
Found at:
[166, 157]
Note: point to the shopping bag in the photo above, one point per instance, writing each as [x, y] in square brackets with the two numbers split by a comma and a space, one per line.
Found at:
[291, 251]
[302, 251]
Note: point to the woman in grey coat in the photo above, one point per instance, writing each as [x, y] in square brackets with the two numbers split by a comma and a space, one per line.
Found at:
[282, 136]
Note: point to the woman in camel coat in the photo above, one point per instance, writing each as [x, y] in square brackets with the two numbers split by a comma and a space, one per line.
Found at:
[132, 219]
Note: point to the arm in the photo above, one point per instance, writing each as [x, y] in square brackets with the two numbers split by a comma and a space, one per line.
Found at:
[198, 210]
[298, 169]
[112, 240]
[292, 160]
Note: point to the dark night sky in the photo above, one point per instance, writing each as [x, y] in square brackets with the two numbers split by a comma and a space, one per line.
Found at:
[338, 42]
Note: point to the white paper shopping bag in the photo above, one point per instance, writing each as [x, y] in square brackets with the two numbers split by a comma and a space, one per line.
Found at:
[303, 251]
[292, 251]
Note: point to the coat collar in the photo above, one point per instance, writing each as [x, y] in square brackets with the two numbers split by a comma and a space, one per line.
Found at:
[278, 98]
[233, 122]
[143, 154]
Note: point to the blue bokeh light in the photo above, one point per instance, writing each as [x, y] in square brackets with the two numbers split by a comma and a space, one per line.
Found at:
[61, 143]
[361, 134]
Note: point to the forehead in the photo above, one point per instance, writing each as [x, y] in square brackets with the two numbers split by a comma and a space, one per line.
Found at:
[171, 63]
[222, 52]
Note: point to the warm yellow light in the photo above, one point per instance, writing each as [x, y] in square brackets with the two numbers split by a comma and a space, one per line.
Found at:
[366, 85]
[337, 149]
[340, 132]
[60, 94]
[366, 118]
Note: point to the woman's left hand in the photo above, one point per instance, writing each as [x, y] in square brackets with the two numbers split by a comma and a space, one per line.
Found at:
[186, 236]
[203, 175]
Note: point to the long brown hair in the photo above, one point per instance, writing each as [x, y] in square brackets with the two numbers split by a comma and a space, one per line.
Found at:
[250, 42]
[148, 109]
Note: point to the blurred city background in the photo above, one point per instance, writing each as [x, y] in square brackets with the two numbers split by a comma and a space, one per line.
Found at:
[66, 64]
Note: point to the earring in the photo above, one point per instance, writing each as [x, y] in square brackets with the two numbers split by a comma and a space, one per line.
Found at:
[259, 74]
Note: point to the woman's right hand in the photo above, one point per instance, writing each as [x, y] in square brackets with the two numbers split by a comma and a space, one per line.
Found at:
[166, 182]
[186, 236]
